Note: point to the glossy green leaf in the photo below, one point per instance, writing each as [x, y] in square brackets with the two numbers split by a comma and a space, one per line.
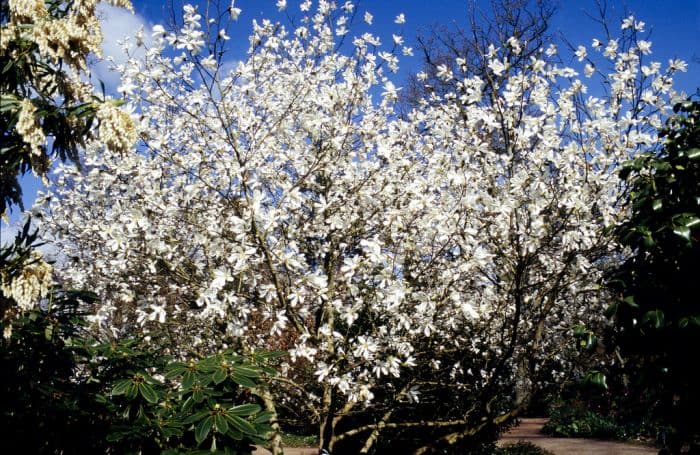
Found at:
[220, 423]
[692, 221]
[271, 354]
[121, 387]
[264, 417]
[175, 369]
[203, 428]
[243, 380]
[148, 393]
[245, 371]
[195, 417]
[188, 379]
[219, 375]
[629, 300]
[611, 310]
[198, 395]
[241, 425]
[245, 410]
[132, 391]
[188, 404]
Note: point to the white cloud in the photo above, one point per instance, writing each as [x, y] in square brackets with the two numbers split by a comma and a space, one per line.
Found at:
[8, 232]
[117, 24]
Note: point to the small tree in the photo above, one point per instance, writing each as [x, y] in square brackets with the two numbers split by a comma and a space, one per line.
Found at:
[657, 316]
[425, 272]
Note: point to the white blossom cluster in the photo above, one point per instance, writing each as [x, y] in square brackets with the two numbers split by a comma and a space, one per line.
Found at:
[284, 203]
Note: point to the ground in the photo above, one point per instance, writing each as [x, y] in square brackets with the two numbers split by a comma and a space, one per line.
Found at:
[529, 431]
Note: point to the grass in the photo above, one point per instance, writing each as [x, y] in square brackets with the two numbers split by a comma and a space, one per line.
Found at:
[297, 440]
[522, 448]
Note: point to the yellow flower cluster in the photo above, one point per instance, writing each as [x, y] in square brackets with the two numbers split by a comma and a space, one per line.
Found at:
[29, 128]
[116, 129]
[30, 285]
[70, 38]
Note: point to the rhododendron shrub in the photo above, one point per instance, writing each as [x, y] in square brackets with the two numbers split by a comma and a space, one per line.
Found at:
[423, 271]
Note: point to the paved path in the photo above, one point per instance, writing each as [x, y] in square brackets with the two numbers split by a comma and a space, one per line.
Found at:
[529, 431]
[289, 451]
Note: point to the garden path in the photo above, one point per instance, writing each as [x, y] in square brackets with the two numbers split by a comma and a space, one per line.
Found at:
[529, 431]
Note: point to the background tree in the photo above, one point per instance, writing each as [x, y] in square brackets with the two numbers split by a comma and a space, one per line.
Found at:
[47, 109]
[657, 318]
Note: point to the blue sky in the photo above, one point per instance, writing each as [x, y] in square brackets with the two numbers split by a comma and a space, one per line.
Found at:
[674, 26]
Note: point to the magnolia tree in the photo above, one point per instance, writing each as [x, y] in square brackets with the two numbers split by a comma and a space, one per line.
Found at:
[423, 271]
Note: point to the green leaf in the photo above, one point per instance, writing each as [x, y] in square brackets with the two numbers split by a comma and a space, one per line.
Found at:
[693, 153]
[245, 410]
[243, 381]
[692, 221]
[202, 430]
[219, 375]
[271, 354]
[220, 423]
[132, 391]
[175, 369]
[121, 387]
[188, 404]
[264, 417]
[234, 434]
[195, 417]
[611, 310]
[148, 393]
[241, 425]
[188, 378]
[245, 371]
[629, 300]
[596, 378]
[655, 317]
[198, 395]
[657, 204]
[268, 370]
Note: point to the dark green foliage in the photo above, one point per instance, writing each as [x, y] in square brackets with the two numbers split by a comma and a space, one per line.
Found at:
[657, 317]
[70, 394]
[41, 407]
[577, 421]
